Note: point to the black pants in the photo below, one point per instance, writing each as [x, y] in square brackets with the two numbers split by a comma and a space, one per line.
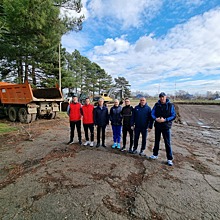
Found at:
[125, 130]
[137, 132]
[89, 127]
[72, 129]
[99, 130]
[166, 136]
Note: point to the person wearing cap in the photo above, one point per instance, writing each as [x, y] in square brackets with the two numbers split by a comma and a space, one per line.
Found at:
[163, 113]
[88, 122]
[74, 113]
[142, 123]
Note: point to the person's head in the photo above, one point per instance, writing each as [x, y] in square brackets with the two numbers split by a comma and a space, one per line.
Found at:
[127, 101]
[142, 101]
[101, 102]
[87, 101]
[74, 98]
[116, 102]
[162, 97]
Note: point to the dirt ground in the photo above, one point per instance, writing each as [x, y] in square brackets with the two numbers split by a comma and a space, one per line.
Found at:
[43, 178]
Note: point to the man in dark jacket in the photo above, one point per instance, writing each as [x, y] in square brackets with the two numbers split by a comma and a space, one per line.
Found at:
[142, 123]
[126, 113]
[163, 113]
[101, 120]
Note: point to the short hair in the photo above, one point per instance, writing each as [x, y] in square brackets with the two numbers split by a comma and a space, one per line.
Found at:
[101, 99]
[127, 99]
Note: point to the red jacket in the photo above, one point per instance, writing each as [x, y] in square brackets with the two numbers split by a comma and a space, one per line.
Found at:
[75, 111]
[87, 111]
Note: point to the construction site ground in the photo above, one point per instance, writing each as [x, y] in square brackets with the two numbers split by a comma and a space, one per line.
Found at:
[41, 177]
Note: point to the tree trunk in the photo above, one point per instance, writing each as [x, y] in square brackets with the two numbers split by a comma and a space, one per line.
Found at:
[20, 71]
[33, 74]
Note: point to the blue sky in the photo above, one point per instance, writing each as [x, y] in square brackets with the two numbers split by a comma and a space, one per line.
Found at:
[157, 45]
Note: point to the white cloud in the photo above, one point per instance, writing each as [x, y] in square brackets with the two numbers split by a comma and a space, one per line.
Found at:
[128, 13]
[188, 49]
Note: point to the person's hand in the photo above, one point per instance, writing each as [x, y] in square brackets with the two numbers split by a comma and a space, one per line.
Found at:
[149, 129]
[160, 120]
[132, 127]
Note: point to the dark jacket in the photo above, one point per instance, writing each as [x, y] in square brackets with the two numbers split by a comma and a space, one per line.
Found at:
[141, 117]
[101, 116]
[167, 111]
[115, 115]
[126, 114]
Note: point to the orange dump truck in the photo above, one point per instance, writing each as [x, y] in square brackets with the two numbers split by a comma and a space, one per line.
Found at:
[22, 103]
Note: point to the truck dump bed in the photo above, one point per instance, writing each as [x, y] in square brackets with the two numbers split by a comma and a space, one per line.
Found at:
[24, 94]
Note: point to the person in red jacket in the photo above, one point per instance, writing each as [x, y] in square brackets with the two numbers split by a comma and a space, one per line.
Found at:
[88, 122]
[74, 112]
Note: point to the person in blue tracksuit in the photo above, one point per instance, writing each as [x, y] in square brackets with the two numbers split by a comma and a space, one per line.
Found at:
[116, 121]
[142, 123]
[163, 113]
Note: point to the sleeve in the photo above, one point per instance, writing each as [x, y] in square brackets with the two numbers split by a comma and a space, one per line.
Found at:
[68, 110]
[110, 115]
[153, 116]
[94, 116]
[107, 116]
[173, 114]
[133, 117]
[151, 121]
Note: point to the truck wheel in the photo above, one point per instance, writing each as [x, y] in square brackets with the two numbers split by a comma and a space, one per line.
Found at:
[52, 115]
[23, 116]
[12, 114]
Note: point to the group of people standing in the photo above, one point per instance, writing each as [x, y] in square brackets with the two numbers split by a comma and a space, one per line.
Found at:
[124, 120]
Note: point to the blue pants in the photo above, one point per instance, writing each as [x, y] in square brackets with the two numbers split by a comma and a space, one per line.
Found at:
[166, 137]
[137, 132]
[116, 133]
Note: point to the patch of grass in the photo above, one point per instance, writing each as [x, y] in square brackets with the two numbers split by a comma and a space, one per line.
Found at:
[5, 128]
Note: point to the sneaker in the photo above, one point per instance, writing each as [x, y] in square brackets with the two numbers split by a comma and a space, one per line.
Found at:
[170, 162]
[98, 145]
[70, 142]
[114, 145]
[152, 157]
[134, 152]
[118, 146]
[142, 153]
[130, 151]
[80, 142]
[123, 149]
[86, 143]
[91, 144]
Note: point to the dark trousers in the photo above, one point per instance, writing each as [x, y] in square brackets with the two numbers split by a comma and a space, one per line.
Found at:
[116, 133]
[72, 129]
[166, 137]
[137, 132]
[125, 130]
[87, 128]
[99, 130]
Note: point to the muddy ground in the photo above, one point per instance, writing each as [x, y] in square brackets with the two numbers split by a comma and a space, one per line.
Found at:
[43, 178]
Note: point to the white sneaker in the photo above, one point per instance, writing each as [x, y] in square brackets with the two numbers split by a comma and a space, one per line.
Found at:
[91, 144]
[86, 143]
[152, 157]
[70, 142]
[170, 162]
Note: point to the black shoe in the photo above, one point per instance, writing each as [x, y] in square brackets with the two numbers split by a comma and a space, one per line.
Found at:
[70, 142]
[130, 151]
[103, 145]
[123, 149]
[98, 145]
[134, 151]
[80, 142]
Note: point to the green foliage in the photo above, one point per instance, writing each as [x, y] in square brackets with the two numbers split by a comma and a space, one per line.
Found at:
[121, 82]
[30, 32]
[5, 128]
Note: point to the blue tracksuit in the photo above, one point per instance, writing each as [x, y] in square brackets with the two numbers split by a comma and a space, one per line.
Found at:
[116, 121]
[167, 111]
[141, 119]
